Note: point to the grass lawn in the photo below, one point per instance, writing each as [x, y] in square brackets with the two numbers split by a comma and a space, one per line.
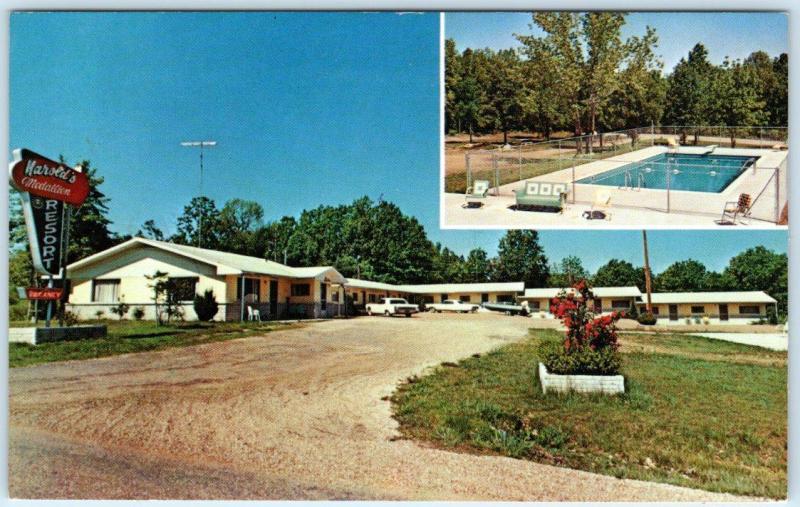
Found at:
[697, 412]
[131, 336]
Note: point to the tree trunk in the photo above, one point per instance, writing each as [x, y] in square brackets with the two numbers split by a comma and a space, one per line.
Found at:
[505, 136]
[470, 133]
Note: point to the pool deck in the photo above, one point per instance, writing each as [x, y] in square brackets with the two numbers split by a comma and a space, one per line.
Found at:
[628, 207]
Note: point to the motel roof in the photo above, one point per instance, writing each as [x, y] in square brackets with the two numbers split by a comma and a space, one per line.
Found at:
[601, 292]
[712, 297]
[225, 263]
[439, 288]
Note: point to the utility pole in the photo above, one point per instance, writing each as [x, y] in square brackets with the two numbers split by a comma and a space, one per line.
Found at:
[647, 281]
[201, 145]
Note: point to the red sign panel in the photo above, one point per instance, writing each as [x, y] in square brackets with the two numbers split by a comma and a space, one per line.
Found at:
[46, 178]
[44, 293]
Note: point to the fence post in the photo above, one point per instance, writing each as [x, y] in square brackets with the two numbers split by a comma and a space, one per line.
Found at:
[469, 171]
[652, 134]
[495, 166]
[668, 182]
[777, 194]
[520, 163]
[573, 183]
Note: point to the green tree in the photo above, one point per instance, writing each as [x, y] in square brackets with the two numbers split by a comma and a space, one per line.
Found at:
[238, 223]
[689, 89]
[759, 268]
[452, 77]
[275, 237]
[199, 218]
[736, 90]
[447, 266]
[618, 273]
[567, 273]
[683, 276]
[520, 257]
[89, 226]
[150, 230]
[477, 266]
[504, 93]
[470, 92]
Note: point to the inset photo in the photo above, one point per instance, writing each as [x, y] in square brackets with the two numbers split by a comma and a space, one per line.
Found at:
[614, 120]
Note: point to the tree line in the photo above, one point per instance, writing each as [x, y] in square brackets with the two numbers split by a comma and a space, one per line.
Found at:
[377, 241]
[582, 77]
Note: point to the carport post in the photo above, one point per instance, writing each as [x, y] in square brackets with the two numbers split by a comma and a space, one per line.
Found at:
[241, 301]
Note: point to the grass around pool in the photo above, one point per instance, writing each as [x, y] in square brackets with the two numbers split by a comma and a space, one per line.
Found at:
[128, 336]
[697, 412]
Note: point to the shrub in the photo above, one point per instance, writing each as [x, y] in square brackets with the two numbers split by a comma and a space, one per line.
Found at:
[583, 361]
[633, 313]
[205, 306]
[590, 345]
[68, 318]
[120, 309]
[138, 313]
[646, 319]
[99, 314]
[18, 311]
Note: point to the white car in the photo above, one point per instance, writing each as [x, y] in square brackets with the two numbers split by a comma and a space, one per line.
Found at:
[453, 305]
[392, 306]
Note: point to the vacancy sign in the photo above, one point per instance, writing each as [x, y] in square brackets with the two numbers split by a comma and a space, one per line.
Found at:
[44, 293]
[47, 178]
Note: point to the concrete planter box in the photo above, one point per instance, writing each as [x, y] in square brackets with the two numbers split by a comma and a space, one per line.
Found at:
[606, 384]
[35, 335]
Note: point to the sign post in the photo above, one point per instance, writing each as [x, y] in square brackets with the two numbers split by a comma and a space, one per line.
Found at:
[45, 186]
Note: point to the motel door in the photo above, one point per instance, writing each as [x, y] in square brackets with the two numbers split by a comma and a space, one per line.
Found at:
[323, 296]
[598, 305]
[673, 312]
[273, 299]
[723, 312]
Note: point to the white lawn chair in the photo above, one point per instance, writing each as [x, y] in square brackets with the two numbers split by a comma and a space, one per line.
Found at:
[601, 203]
[476, 193]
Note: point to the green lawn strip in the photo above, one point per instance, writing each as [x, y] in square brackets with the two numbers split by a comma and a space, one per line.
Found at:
[712, 424]
[130, 336]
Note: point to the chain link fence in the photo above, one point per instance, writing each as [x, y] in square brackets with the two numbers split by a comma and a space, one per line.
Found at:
[589, 163]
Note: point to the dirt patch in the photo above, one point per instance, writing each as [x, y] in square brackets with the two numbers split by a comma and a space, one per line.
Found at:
[296, 414]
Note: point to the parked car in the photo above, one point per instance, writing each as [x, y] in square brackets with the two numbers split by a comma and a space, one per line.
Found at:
[507, 308]
[452, 305]
[391, 306]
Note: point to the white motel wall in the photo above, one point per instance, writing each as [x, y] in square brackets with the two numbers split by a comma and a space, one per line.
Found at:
[102, 281]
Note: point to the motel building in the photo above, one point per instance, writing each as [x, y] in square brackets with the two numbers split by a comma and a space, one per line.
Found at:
[119, 274]
[365, 291]
[710, 307]
[605, 300]
[276, 291]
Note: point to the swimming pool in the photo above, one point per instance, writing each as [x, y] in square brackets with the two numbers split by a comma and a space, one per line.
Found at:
[676, 171]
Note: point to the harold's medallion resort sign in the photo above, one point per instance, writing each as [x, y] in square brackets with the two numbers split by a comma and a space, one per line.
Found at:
[45, 185]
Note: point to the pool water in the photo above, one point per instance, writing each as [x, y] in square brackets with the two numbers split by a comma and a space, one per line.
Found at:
[676, 171]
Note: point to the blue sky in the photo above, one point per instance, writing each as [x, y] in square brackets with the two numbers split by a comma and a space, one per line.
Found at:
[307, 109]
[733, 34]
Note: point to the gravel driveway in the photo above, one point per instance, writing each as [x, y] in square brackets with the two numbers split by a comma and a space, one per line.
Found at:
[296, 414]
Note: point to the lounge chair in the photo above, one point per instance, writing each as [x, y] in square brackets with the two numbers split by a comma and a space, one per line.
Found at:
[542, 193]
[476, 193]
[736, 209]
[672, 144]
[601, 206]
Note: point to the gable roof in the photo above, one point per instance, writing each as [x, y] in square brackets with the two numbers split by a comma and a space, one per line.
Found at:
[712, 297]
[225, 263]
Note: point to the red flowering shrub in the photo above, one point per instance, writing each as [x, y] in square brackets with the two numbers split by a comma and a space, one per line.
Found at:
[590, 339]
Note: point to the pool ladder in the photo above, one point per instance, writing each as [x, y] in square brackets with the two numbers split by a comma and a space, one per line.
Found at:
[640, 181]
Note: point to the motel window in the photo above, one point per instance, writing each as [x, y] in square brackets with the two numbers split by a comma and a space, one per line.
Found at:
[105, 291]
[465, 299]
[620, 304]
[335, 296]
[534, 305]
[505, 298]
[427, 299]
[655, 310]
[301, 289]
[749, 310]
[699, 309]
[185, 287]
[252, 289]
[372, 298]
